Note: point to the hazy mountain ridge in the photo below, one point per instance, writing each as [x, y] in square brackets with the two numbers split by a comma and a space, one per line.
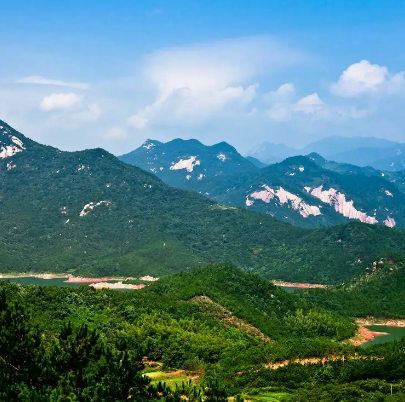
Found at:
[362, 151]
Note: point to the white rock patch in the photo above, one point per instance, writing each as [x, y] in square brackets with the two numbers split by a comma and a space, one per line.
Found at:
[301, 168]
[390, 222]
[389, 193]
[222, 157]
[90, 206]
[148, 146]
[187, 164]
[11, 165]
[9, 150]
[200, 176]
[341, 205]
[284, 197]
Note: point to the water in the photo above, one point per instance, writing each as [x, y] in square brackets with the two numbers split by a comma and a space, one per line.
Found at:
[394, 333]
[45, 282]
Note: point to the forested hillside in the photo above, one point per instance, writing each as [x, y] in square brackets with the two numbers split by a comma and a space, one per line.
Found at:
[378, 292]
[224, 327]
[89, 213]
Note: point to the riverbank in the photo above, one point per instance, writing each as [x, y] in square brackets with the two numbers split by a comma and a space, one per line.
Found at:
[299, 285]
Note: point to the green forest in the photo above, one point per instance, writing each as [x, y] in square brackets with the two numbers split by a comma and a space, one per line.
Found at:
[218, 331]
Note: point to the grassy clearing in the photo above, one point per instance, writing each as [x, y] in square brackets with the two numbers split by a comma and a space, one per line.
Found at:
[172, 378]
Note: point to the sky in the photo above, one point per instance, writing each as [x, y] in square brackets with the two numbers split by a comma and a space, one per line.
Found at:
[83, 74]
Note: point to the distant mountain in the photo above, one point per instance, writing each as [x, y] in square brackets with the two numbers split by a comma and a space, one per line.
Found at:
[188, 163]
[393, 163]
[397, 178]
[89, 213]
[269, 153]
[360, 151]
[330, 146]
[392, 158]
[344, 168]
[303, 193]
[256, 162]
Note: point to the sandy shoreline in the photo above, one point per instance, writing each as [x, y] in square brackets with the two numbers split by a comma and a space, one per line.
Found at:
[118, 285]
[299, 285]
[365, 335]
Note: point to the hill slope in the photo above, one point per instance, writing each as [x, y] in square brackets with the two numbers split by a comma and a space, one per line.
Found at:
[89, 213]
[299, 191]
[379, 291]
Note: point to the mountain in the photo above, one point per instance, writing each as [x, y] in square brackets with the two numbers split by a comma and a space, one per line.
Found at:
[89, 213]
[268, 152]
[330, 146]
[256, 162]
[303, 193]
[397, 178]
[188, 163]
[388, 158]
[343, 168]
[327, 147]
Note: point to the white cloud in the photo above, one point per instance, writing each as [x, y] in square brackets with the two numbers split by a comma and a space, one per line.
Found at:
[59, 101]
[309, 104]
[116, 133]
[90, 112]
[139, 121]
[36, 79]
[364, 77]
[195, 83]
[284, 105]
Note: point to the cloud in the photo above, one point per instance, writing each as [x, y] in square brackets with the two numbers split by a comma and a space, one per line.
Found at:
[284, 104]
[117, 133]
[197, 82]
[36, 79]
[364, 77]
[59, 101]
[89, 112]
[309, 104]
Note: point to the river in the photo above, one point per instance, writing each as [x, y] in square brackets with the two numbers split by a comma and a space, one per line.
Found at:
[394, 333]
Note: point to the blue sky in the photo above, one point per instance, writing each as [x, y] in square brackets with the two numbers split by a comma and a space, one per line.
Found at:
[82, 74]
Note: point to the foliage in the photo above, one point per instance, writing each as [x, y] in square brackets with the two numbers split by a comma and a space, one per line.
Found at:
[150, 228]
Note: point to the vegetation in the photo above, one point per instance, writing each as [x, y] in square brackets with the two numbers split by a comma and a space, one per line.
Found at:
[79, 344]
[378, 292]
[148, 228]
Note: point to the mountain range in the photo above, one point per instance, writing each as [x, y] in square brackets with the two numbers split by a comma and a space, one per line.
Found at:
[362, 151]
[89, 213]
[307, 191]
